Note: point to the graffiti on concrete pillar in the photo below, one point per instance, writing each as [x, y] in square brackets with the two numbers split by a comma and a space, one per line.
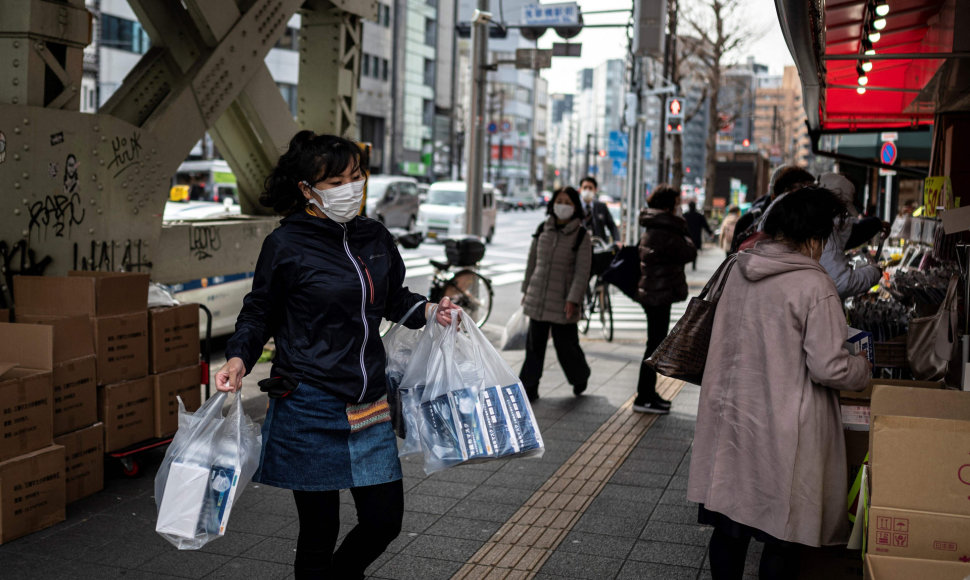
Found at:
[203, 241]
[112, 256]
[126, 153]
[58, 214]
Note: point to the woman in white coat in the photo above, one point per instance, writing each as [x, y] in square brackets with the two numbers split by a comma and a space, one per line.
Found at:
[769, 454]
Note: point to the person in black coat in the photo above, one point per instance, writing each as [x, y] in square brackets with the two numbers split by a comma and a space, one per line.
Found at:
[696, 224]
[598, 221]
[665, 247]
[323, 281]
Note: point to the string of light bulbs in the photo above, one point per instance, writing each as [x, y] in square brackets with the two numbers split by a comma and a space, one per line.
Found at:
[875, 22]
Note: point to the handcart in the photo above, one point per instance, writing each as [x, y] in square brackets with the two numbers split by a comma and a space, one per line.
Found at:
[129, 455]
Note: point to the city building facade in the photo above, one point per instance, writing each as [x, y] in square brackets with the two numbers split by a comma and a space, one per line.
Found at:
[780, 131]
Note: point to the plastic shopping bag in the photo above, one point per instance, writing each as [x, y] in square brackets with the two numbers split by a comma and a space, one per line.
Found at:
[399, 346]
[516, 331]
[208, 464]
[471, 406]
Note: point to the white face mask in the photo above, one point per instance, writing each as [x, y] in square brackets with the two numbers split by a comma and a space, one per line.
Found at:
[588, 195]
[563, 211]
[340, 203]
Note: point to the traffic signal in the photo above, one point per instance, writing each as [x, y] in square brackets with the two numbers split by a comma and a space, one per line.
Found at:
[602, 153]
[674, 112]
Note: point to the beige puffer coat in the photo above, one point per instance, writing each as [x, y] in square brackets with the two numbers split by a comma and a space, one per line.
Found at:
[556, 274]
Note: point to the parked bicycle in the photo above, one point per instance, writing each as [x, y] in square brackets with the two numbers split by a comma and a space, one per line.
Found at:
[465, 287]
[597, 302]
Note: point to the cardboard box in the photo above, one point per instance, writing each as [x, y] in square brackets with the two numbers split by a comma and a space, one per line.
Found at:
[75, 394]
[26, 391]
[73, 335]
[866, 394]
[122, 347]
[919, 442]
[173, 337]
[31, 492]
[890, 568]
[83, 461]
[91, 293]
[185, 383]
[918, 534]
[127, 410]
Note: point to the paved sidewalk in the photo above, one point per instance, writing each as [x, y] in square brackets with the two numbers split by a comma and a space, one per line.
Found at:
[606, 500]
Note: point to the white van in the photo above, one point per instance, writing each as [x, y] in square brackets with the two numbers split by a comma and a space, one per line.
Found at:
[442, 215]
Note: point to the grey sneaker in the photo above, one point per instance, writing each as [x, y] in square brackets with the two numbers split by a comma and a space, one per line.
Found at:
[651, 407]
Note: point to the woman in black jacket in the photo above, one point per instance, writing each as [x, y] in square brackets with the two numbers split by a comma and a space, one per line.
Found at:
[323, 281]
[665, 247]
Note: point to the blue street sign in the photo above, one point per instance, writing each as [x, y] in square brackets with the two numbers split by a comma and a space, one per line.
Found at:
[619, 145]
[591, 170]
[648, 146]
[492, 127]
[888, 153]
[561, 14]
[619, 169]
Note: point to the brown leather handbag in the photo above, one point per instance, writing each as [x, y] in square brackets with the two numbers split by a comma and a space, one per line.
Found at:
[683, 354]
[931, 339]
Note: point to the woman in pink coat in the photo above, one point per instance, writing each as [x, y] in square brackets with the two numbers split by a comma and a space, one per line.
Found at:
[769, 454]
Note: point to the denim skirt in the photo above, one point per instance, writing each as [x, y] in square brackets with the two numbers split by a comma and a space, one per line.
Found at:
[308, 445]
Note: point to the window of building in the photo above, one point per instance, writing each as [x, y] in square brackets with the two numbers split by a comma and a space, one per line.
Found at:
[429, 32]
[384, 74]
[428, 72]
[386, 19]
[427, 118]
[123, 34]
[288, 92]
[365, 64]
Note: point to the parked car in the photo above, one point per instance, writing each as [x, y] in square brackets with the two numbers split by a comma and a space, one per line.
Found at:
[442, 215]
[393, 200]
[518, 201]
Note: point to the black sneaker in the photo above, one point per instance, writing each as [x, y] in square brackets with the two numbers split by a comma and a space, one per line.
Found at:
[579, 389]
[661, 402]
[532, 393]
[651, 407]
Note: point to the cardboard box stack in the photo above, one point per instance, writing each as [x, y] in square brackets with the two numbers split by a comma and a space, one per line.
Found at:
[919, 507]
[31, 467]
[116, 308]
[174, 362]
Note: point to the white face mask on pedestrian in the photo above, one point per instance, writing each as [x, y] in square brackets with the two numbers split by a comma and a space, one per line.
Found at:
[563, 211]
[588, 195]
[340, 203]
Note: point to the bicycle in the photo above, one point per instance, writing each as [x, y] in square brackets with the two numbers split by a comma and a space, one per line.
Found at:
[466, 287]
[597, 299]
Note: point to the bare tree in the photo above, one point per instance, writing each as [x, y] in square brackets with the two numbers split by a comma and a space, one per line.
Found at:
[720, 35]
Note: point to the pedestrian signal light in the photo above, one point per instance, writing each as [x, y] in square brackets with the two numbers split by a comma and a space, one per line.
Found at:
[674, 108]
[602, 153]
[746, 142]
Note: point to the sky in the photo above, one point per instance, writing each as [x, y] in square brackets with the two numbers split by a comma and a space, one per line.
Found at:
[602, 44]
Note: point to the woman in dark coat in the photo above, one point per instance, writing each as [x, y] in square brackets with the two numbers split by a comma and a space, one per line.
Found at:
[323, 281]
[665, 247]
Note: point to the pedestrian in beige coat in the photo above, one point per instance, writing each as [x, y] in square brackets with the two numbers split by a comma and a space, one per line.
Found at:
[769, 456]
[556, 277]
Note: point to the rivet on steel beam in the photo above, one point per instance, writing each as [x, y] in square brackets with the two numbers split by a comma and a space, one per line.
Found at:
[26, 175]
[16, 130]
[135, 211]
[15, 81]
[100, 211]
[131, 198]
[16, 62]
[16, 211]
[15, 100]
[26, 121]
[16, 156]
[16, 185]
[91, 231]
[93, 202]
[24, 233]
[26, 147]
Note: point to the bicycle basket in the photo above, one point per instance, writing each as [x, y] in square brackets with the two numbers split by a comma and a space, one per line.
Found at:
[602, 260]
[466, 251]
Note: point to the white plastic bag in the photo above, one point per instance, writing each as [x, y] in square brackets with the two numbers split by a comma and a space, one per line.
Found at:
[208, 464]
[399, 345]
[516, 331]
[470, 406]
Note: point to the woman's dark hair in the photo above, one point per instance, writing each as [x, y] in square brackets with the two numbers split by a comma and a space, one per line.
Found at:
[805, 214]
[590, 179]
[663, 197]
[789, 178]
[306, 157]
[573, 197]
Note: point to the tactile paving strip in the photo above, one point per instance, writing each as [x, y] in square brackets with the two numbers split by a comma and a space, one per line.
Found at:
[521, 546]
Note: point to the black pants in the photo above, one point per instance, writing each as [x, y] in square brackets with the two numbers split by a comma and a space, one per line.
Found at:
[565, 337]
[380, 510]
[658, 324]
[779, 560]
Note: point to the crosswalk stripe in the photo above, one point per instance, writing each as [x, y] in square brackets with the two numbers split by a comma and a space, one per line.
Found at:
[504, 279]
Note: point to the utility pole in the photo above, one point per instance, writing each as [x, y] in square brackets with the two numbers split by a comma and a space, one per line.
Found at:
[589, 137]
[569, 164]
[501, 137]
[476, 120]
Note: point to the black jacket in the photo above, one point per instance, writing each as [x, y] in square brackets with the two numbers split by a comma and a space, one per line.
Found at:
[320, 289]
[599, 222]
[664, 249]
[696, 223]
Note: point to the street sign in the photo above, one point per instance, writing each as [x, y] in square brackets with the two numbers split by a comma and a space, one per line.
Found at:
[492, 127]
[567, 49]
[561, 14]
[619, 168]
[592, 169]
[648, 146]
[619, 146]
[887, 154]
[533, 59]
[506, 126]
[889, 136]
